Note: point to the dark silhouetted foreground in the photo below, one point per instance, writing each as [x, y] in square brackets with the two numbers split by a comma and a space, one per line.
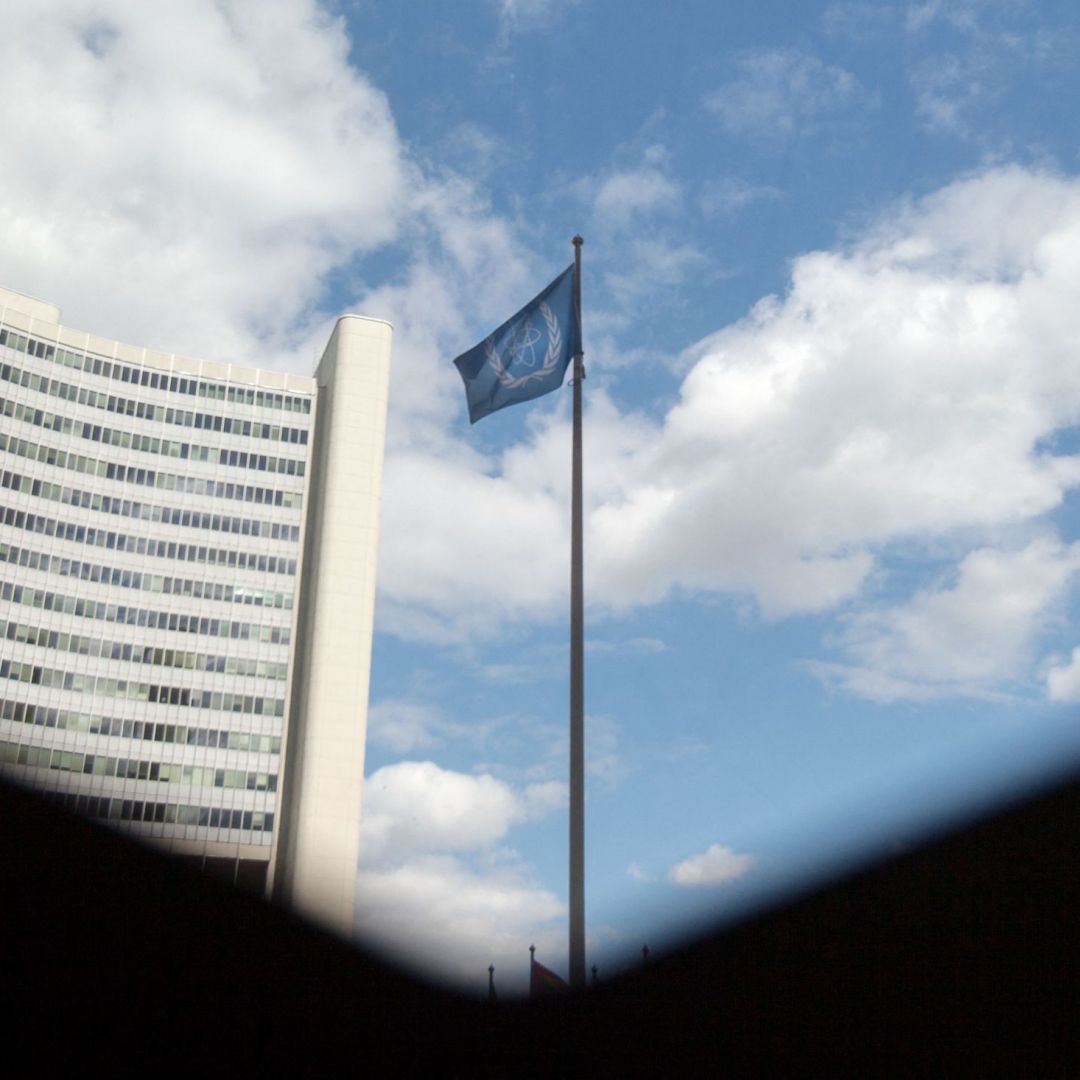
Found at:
[959, 956]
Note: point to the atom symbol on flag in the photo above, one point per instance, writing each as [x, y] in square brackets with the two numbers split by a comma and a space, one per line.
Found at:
[523, 344]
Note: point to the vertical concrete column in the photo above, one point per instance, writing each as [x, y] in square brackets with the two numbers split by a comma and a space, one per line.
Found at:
[319, 831]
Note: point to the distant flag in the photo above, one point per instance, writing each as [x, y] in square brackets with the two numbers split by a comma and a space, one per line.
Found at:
[543, 982]
[527, 356]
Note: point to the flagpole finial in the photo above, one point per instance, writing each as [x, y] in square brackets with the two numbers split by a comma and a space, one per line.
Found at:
[577, 240]
[532, 952]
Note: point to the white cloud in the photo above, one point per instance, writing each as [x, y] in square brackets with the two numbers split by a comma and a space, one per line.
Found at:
[950, 87]
[416, 806]
[992, 44]
[401, 726]
[445, 918]
[622, 195]
[186, 175]
[517, 17]
[904, 390]
[637, 873]
[727, 196]
[785, 92]
[1063, 680]
[436, 888]
[444, 573]
[717, 865]
[967, 638]
[636, 219]
[471, 148]
[650, 264]
[901, 391]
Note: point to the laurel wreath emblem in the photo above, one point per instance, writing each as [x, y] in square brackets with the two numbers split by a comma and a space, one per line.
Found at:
[551, 357]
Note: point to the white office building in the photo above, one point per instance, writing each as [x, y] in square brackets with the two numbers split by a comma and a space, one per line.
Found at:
[187, 577]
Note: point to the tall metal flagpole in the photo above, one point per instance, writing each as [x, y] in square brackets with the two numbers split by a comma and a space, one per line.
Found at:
[577, 669]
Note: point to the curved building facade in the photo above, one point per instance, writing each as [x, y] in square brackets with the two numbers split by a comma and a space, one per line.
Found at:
[187, 572]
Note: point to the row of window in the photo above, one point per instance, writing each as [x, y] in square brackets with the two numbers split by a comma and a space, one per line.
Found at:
[96, 609]
[152, 583]
[49, 716]
[141, 545]
[156, 380]
[149, 444]
[134, 474]
[166, 515]
[41, 757]
[186, 696]
[165, 813]
[82, 645]
[146, 410]
[133, 616]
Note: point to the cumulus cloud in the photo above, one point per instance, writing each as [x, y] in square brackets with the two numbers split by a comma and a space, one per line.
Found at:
[444, 573]
[437, 888]
[967, 638]
[444, 918]
[191, 179]
[186, 176]
[716, 865]
[416, 806]
[1063, 680]
[784, 92]
[905, 391]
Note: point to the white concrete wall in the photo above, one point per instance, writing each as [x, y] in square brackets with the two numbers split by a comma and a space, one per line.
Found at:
[318, 841]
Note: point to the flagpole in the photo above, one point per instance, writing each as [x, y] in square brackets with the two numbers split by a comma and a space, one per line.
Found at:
[577, 668]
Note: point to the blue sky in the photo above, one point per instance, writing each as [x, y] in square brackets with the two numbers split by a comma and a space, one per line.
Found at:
[832, 462]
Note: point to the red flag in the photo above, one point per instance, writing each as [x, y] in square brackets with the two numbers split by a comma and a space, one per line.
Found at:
[543, 982]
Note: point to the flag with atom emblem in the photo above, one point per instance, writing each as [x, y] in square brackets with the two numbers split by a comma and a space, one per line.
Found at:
[527, 356]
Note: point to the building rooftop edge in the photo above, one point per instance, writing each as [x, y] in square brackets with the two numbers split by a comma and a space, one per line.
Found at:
[159, 358]
[4, 290]
[366, 318]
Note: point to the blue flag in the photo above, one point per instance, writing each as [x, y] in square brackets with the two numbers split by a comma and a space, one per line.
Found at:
[527, 356]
